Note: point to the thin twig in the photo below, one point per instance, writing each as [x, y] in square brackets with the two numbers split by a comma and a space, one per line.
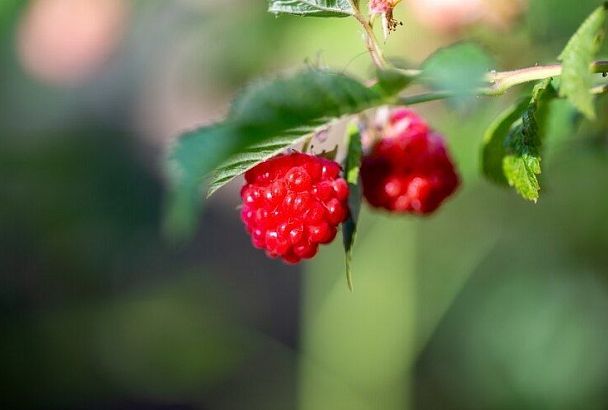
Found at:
[371, 42]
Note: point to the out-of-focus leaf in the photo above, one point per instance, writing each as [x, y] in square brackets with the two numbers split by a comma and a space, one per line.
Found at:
[577, 78]
[193, 156]
[458, 70]
[316, 8]
[351, 167]
[392, 81]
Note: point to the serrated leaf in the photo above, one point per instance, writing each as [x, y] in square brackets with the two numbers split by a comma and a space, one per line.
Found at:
[493, 148]
[577, 56]
[315, 8]
[351, 171]
[287, 107]
[458, 70]
[296, 105]
[521, 164]
[250, 157]
[306, 99]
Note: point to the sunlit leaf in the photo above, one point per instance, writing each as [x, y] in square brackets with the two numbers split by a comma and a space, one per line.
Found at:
[316, 8]
[577, 78]
[521, 163]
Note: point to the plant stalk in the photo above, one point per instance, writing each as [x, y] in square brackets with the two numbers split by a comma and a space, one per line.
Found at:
[501, 82]
[371, 41]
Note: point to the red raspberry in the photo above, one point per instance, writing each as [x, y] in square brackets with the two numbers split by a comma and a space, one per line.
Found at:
[409, 170]
[292, 203]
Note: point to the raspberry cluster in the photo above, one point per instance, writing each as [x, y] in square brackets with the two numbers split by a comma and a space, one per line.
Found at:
[292, 203]
[409, 169]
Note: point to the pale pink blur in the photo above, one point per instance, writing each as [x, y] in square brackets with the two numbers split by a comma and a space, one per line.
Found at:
[65, 42]
[448, 16]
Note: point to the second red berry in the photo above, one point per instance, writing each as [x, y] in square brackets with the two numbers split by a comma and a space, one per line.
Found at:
[409, 170]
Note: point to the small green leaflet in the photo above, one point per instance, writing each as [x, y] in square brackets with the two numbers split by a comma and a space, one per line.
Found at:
[577, 57]
[493, 149]
[351, 171]
[513, 143]
[316, 8]
[521, 164]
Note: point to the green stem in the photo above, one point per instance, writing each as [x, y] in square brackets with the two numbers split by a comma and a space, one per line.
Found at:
[501, 82]
[424, 97]
[371, 41]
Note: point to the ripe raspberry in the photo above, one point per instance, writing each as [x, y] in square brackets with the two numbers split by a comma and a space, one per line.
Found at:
[292, 203]
[409, 169]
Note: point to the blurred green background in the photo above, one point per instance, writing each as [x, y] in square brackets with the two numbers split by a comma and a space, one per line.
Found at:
[493, 303]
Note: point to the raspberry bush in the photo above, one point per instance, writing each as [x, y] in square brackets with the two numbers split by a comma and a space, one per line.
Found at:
[294, 201]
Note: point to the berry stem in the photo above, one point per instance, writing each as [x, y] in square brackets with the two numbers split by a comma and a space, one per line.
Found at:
[371, 41]
[501, 82]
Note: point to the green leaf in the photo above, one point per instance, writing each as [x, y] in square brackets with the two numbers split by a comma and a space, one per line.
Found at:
[267, 117]
[458, 70]
[250, 157]
[521, 164]
[191, 159]
[351, 171]
[577, 57]
[308, 98]
[316, 8]
[392, 81]
[493, 148]
[292, 108]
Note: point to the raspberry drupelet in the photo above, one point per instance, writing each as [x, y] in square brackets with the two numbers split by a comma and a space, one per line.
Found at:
[292, 203]
[409, 170]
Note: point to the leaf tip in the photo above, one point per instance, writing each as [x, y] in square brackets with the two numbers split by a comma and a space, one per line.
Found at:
[349, 276]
